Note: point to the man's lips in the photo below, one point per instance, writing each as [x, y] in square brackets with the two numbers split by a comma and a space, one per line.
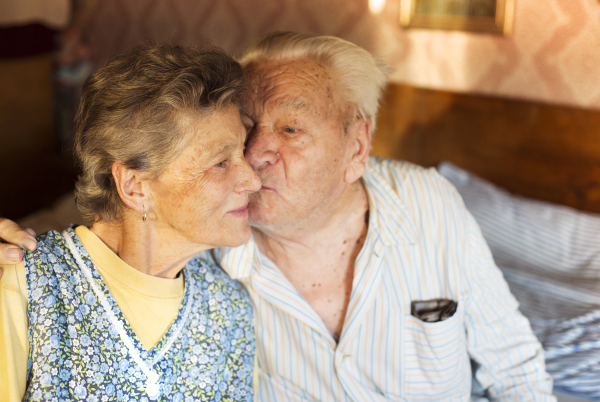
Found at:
[266, 188]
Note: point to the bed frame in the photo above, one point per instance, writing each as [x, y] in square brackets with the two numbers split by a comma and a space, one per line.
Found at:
[543, 151]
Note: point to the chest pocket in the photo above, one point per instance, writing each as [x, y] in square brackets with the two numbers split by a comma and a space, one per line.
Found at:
[437, 362]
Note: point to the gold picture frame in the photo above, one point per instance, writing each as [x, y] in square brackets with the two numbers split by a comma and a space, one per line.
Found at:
[490, 16]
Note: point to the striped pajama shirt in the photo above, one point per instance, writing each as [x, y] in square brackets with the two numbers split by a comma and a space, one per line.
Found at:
[421, 244]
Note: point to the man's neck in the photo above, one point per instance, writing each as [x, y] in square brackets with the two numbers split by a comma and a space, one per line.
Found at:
[320, 264]
[347, 221]
[150, 250]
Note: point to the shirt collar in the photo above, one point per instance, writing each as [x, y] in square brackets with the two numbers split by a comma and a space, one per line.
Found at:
[389, 220]
[237, 261]
[389, 217]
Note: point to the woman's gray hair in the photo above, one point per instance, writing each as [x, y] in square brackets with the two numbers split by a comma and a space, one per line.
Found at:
[359, 77]
[136, 110]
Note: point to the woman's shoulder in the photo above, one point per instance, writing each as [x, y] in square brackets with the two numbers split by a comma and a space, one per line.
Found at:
[210, 272]
[51, 242]
[51, 248]
[49, 259]
[14, 277]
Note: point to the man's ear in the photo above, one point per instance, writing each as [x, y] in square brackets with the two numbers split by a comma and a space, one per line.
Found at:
[131, 187]
[359, 133]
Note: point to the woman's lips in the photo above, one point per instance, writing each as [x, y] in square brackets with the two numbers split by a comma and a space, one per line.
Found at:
[243, 211]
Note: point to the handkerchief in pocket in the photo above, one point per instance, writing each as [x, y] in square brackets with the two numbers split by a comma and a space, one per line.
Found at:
[433, 310]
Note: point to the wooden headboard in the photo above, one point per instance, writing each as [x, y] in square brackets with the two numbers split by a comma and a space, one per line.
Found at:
[536, 150]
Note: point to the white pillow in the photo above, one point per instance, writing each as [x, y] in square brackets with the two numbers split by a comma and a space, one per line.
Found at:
[551, 239]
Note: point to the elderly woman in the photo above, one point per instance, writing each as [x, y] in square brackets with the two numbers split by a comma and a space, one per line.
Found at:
[125, 310]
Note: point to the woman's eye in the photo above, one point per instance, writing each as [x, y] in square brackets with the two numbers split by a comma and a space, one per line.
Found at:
[290, 130]
[221, 164]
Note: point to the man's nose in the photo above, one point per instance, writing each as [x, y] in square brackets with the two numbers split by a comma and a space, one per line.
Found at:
[262, 148]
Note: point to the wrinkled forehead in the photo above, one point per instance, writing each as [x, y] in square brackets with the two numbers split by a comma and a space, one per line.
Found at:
[290, 84]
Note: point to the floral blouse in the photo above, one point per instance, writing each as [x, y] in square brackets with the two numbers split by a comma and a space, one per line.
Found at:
[78, 353]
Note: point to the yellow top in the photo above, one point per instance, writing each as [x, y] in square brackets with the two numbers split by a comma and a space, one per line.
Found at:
[150, 305]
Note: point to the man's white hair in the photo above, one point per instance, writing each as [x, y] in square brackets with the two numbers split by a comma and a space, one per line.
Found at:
[359, 77]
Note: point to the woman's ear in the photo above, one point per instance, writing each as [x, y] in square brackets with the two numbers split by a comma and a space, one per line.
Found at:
[359, 133]
[131, 187]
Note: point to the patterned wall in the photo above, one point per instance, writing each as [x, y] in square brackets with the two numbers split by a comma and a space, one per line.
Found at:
[553, 55]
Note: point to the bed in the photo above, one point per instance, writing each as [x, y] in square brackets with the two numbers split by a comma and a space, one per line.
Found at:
[550, 257]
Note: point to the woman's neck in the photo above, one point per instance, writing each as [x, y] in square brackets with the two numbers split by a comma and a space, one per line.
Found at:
[143, 246]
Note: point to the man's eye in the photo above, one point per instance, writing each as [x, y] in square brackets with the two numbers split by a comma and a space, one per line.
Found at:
[290, 130]
[221, 164]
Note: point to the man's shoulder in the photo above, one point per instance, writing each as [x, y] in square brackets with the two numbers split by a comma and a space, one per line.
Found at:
[423, 192]
[404, 176]
[235, 261]
[382, 164]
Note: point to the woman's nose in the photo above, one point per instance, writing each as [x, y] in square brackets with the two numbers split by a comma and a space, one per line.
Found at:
[262, 148]
[249, 180]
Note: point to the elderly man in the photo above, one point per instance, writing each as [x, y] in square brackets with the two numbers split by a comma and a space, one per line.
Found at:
[371, 281]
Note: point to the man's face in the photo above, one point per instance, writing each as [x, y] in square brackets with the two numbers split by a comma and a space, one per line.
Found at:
[296, 144]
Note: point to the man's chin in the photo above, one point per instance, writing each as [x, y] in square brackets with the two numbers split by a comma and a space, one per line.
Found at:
[256, 221]
[263, 214]
[259, 216]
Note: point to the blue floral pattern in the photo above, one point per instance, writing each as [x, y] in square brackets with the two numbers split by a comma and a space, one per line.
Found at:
[77, 354]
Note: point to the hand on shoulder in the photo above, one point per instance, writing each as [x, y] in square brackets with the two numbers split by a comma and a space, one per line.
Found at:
[12, 239]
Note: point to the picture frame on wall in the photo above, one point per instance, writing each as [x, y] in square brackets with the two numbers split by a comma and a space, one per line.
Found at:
[489, 16]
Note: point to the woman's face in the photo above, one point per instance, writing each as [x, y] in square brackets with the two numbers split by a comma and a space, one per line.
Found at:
[202, 197]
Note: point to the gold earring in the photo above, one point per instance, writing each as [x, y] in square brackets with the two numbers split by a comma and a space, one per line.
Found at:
[144, 216]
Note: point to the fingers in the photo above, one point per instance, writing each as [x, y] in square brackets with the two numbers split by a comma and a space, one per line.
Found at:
[14, 234]
[13, 238]
[10, 254]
